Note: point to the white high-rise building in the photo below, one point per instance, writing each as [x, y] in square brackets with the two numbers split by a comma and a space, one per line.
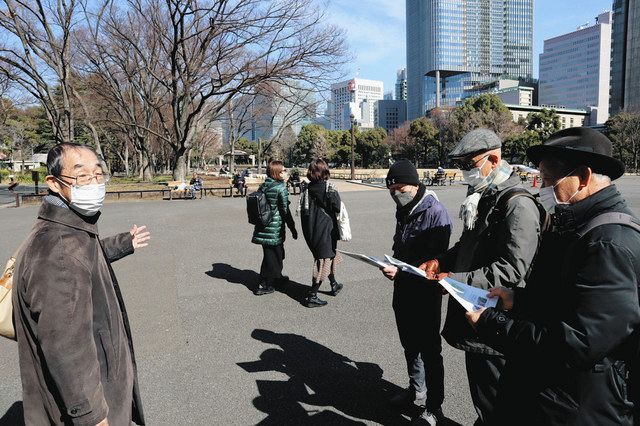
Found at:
[361, 94]
[575, 68]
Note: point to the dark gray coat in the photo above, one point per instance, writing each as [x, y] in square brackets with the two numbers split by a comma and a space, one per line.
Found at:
[498, 251]
[76, 356]
[319, 223]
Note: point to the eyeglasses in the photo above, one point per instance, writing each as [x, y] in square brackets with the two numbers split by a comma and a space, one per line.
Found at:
[86, 179]
[468, 165]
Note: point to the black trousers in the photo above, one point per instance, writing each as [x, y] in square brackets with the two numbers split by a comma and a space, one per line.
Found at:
[417, 309]
[483, 372]
[272, 261]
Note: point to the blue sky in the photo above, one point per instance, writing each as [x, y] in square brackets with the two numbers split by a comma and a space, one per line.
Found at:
[376, 30]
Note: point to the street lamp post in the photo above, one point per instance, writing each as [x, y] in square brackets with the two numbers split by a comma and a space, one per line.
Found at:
[353, 145]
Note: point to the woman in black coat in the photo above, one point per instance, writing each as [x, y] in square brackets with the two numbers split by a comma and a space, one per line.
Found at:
[319, 206]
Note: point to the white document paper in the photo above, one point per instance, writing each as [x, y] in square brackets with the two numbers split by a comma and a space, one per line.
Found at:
[373, 261]
[471, 298]
[405, 267]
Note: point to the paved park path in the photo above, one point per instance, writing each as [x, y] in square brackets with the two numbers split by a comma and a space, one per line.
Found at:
[210, 352]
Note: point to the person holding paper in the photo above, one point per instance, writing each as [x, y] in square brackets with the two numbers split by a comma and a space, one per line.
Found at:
[497, 247]
[423, 229]
[571, 336]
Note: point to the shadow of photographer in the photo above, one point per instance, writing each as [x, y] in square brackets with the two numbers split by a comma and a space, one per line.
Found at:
[14, 415]
[324, 387]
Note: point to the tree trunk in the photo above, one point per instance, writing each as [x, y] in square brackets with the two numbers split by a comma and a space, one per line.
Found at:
[147, 167]
[126, 160]
[232, 157]
[189, 161]
[260, 154]
[178, 165]
[140, 164]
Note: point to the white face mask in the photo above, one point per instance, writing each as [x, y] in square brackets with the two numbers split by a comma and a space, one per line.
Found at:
[474, 176]
[548, 197]
[87, 199]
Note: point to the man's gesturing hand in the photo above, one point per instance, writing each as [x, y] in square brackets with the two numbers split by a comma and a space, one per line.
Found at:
[140, 236]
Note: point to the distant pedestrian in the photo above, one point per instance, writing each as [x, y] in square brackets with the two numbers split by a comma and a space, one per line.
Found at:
[319, 206]
[12, 183]
[423, 229]
[239, 183]
[74, 341]
[272, 236]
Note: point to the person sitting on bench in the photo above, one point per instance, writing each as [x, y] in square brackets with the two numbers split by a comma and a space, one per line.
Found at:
[196, 185]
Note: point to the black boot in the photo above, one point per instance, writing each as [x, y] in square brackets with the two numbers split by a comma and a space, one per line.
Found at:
[282, 281]
[313, 301]
[264, 287]
[335, 286]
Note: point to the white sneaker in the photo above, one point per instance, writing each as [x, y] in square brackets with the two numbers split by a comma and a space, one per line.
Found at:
[425, 418]
[428, 418]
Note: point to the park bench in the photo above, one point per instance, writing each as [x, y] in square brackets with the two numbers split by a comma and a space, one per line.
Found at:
[439, 178]
[347, 175]
[174, 192]
[451, 177]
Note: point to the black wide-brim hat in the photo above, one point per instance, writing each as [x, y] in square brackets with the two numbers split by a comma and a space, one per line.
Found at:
[580, 146]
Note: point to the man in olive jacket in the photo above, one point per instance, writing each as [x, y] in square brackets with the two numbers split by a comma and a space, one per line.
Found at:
[571, 335]
[496, 248]
[74, 342]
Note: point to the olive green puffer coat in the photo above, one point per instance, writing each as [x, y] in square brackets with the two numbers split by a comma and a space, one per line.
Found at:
[273, 234]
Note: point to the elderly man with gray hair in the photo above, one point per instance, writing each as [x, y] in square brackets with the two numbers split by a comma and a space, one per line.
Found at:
[496, 248]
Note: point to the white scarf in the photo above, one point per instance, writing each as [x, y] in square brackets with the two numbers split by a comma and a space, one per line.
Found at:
[469, 207]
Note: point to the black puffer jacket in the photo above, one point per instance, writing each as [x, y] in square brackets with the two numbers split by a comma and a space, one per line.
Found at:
[568, 341]
[320, 203]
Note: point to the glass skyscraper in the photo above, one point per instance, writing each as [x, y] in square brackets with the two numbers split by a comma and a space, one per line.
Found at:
[453, 46]
[625, 57]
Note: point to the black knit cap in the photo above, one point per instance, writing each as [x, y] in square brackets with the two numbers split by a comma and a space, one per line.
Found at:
[402, 171]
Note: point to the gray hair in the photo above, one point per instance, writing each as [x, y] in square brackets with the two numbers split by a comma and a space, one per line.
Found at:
[601, 179]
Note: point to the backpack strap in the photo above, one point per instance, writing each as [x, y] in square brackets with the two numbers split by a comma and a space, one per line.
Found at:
[500, 209]
[618, 218]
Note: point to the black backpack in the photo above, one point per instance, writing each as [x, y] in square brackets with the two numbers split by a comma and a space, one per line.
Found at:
[258, 208]
[500, 210]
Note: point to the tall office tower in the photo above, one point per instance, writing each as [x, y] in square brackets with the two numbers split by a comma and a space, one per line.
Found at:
[575, 68]
[454, 46]
[356, 97]
[401, 85]
[625, 56]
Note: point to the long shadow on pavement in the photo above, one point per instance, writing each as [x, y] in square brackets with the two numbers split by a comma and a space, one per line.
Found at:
[14, 415]
[250, 279]
[324, 387]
